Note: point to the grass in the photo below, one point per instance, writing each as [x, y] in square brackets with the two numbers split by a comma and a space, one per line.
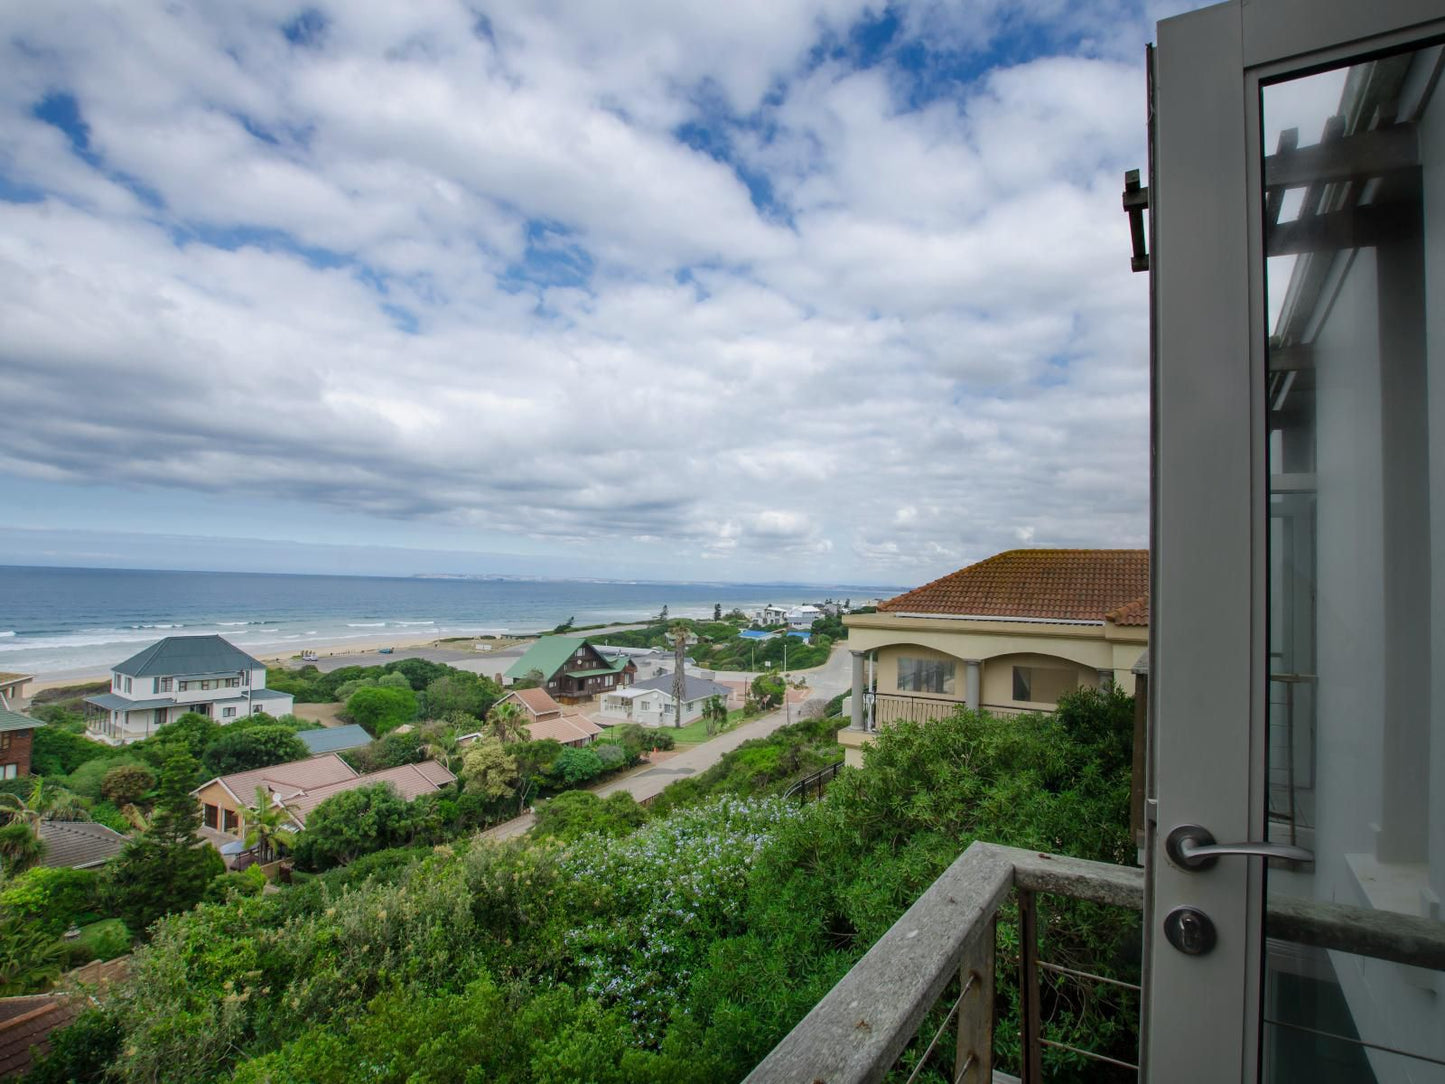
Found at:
[695, 733]
[105, 940]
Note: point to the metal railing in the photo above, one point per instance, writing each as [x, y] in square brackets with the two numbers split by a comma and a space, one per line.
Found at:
[896, 707]
[814, 784]
[865, 1023]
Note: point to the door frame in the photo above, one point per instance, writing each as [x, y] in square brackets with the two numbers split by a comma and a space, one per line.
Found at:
[1208, 711]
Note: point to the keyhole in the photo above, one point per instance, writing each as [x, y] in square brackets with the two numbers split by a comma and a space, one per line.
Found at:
[1190, 930]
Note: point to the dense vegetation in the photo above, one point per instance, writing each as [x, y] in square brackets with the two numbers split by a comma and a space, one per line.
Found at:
[718, 646]
[678, 950]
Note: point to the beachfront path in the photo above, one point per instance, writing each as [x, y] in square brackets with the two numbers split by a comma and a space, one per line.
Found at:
[825, 681]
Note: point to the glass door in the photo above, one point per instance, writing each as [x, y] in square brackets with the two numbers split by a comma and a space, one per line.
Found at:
[1295, 813]
[1353, 203]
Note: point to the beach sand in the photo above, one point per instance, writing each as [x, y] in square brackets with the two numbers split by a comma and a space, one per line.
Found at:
[324, 649]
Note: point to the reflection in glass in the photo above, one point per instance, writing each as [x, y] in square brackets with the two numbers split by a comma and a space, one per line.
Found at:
[1354, 205]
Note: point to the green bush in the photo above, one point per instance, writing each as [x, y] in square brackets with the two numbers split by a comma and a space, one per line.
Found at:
[353, 823]
[381, 710]
[574, 766]
[126, 783]
[54, 751]
[254, 747]
[51, 899]
[88, 779]
[103, 940]
[576, 813]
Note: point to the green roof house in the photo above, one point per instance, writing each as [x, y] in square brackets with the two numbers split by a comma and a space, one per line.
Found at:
[179, 674]
[571, 669]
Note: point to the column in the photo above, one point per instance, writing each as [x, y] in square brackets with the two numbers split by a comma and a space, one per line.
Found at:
[856, 715]
[972, 682]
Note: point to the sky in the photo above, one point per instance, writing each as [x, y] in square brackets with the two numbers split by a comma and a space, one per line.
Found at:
[807, 290]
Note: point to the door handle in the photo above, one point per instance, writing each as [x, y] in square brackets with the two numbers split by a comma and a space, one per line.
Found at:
[1191, 847]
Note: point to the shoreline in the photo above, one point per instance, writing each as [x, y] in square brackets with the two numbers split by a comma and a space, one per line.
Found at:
[323, 648]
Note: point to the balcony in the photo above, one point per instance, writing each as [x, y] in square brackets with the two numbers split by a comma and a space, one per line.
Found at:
[870, 1026]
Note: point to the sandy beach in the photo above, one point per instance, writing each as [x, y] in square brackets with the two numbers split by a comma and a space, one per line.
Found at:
[324, 649]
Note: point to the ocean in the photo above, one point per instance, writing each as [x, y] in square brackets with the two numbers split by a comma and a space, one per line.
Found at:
[60, 622]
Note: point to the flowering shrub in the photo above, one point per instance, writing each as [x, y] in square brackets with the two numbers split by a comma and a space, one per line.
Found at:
[645, 909]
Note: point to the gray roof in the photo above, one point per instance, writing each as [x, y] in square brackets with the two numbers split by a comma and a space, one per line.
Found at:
[334, 739]
[112, 702]
[13, 720]
[180, 656]
[79, 844]
[267, 694]
[695, 688]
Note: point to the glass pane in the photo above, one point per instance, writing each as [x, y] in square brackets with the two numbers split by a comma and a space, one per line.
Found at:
[1354, 202]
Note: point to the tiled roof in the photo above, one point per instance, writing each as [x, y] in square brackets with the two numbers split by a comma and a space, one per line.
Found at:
[180, 656]
[1134, 613]
[13, 720]
[27, 1022]
[563, 728]
[536, 701]
[78, 844]
[409, 780]
[1062, 585]
[287, 779]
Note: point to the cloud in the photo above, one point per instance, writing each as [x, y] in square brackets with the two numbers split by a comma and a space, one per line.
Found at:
[671, 285]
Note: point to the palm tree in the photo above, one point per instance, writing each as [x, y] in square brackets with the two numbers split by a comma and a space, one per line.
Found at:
[268, 827]
[679, 673]
[20, 847]
[506, 721]
[44, 804]
[30, 958]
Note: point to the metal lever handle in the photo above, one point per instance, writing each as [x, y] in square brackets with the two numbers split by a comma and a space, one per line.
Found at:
[1191, 847]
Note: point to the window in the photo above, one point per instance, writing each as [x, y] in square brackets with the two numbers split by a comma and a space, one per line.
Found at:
[245, 677]
[185, 686]
[228, 713]
[211, 817]
[229, 820]
[1043, 684]
[5, 742]
[11, 771]
[166, 684]
[127, 684]
[925, 676]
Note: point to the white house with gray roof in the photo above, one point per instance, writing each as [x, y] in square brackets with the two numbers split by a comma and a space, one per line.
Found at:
[204, 674]
[651, 703]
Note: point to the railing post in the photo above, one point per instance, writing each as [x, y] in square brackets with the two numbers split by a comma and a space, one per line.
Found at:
[1031, 1069]
[973, 1062]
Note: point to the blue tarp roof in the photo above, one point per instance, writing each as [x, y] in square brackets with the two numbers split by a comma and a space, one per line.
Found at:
[756, 634]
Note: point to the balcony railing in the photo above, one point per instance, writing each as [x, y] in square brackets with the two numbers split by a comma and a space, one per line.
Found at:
[860, 1029]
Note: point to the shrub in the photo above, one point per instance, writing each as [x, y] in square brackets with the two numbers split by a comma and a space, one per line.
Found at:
[381, 710]
[611, 755]
[54, 751]
[88, 779]
[574, 766]
[390, 751]
[127, 783]
[576, 813]
[81, 1053]
[51, 899]
[353, 823]
[103, 940]
[254, 747]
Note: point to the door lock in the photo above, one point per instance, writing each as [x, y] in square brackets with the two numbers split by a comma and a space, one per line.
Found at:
[1190, 930]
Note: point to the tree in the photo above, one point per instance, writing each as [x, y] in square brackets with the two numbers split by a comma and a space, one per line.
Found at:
[20, 847]
[578, 812]
[164, 869]
[126, 783]
[459, 693]
[768, 691]
[45, 803]
[268, 827]
[490, 770]
[532, 679]
[574, 766]
[662, 616]
[353, 823]
[52, 899]
[380, 710]
[565, 626]
[717, 611]
[257, 747]
[715, 712]
[679, 671]
[390, 751]
[507, 721]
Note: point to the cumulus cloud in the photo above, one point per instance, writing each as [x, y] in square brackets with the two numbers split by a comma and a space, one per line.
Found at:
[767, 289]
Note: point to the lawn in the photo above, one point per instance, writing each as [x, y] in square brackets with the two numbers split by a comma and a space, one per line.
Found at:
[105, 939]
[695, 733]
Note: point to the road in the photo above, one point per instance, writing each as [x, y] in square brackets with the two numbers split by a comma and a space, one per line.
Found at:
[826, 682]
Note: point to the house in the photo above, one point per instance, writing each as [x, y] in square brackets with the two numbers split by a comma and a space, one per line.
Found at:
[78, 844]
[771, 615]
[535, 702]
[16, 734]
[12, 690]
[571, 669]
[1011, 633]
[299, 786]
[651, 703]
[574, 730]
[1294, 857]
[802, 617]
[204, 674]
[334, 739]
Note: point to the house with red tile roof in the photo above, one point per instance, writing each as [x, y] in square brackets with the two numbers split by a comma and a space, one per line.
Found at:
[1009, 634]
[537, 703]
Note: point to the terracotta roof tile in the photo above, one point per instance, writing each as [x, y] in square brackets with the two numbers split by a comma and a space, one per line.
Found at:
[564, 728]
[409, 780]
[287, 779]
[1063, 585]
[1134, 613]
[536, 701]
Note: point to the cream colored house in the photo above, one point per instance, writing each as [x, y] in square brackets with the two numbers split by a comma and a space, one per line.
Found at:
[1009, 634]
